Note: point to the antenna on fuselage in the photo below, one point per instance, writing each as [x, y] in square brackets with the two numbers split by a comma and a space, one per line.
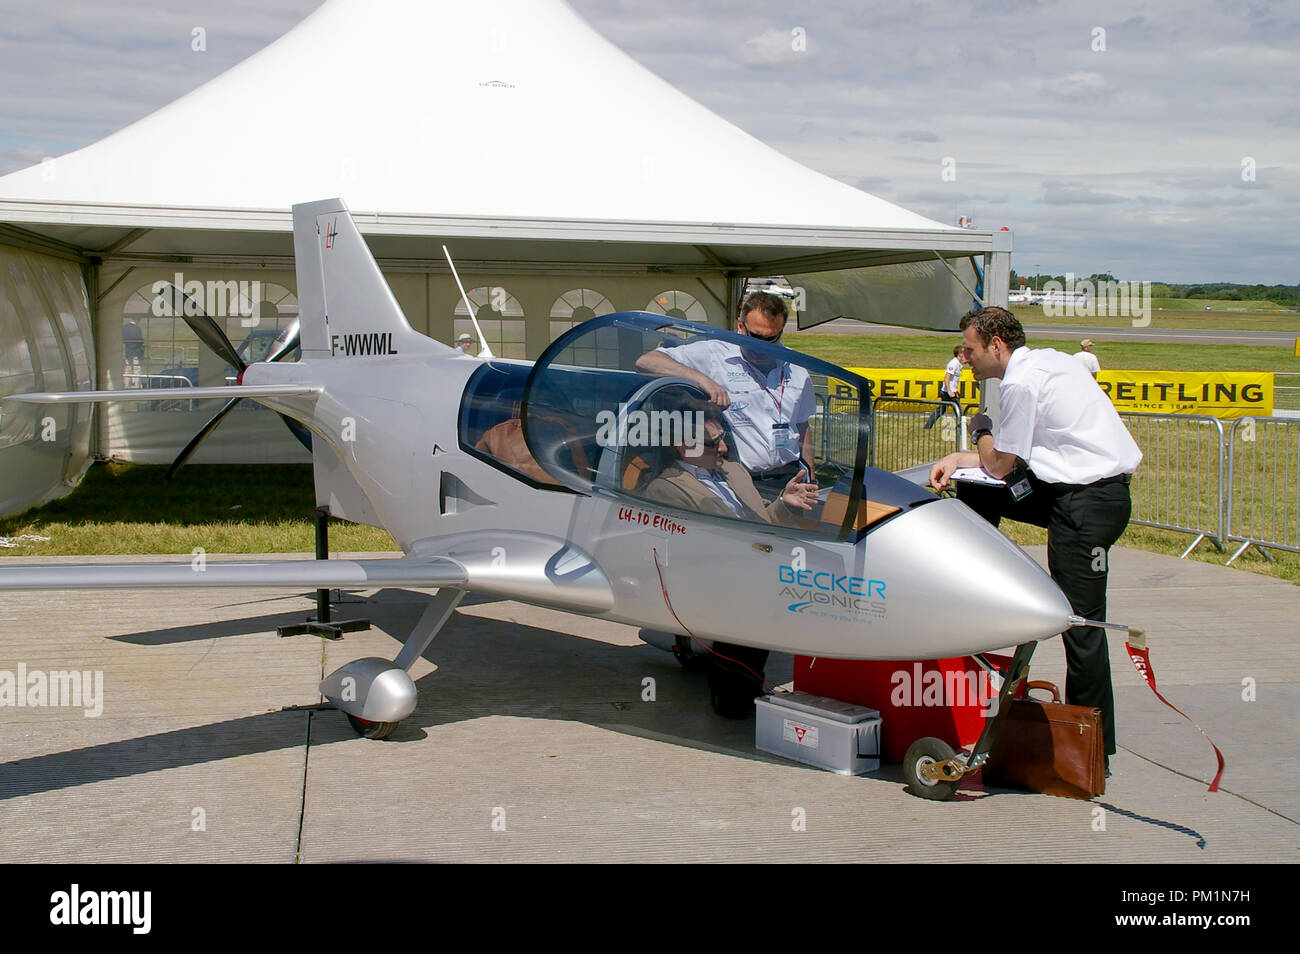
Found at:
[486, 352]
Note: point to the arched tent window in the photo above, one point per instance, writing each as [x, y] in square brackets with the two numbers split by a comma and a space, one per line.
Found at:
[576, 306]
[500, 316]
[678, 304]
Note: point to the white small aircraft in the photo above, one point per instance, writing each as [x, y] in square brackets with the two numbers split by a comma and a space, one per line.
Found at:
[532, 481]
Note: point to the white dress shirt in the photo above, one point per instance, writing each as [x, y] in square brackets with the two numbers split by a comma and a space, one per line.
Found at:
[952, 378]
[1059, 421]
[767, 409]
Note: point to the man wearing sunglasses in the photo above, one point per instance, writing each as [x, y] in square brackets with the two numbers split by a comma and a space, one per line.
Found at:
[767, 401]
[701, 479]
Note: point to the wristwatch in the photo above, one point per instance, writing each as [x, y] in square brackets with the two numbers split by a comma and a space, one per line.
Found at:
[975, 438]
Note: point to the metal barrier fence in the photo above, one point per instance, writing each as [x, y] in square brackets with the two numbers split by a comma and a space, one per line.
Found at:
[1180, 483]
[1263, 503]
[835, 430]
[908, 433]
[1241, 485]
[1286, 390]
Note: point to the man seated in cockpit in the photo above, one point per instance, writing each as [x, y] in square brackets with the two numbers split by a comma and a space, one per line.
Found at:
[702, 480]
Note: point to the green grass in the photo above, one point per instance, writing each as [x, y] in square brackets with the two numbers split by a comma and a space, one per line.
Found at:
[926, 351]
[1182, 313]
[1286, 567]
[126, 508]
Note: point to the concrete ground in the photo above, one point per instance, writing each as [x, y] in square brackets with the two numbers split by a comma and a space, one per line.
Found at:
[533, 742]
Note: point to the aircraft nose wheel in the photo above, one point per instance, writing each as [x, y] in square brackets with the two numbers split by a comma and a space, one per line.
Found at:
[371, 730]
[929, 769]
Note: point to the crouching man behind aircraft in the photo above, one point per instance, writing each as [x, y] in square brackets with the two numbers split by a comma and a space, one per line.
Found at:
[701, 480]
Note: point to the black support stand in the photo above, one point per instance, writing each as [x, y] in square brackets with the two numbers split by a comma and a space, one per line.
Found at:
[321, 625]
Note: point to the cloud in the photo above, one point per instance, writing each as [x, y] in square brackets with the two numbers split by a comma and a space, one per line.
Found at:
[1056, 192]
[775, 46]
[917, 135]
[1076, 88]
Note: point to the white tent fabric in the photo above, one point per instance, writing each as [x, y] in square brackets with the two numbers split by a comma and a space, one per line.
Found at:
[45, 344]
[551, 162]
[495, 108]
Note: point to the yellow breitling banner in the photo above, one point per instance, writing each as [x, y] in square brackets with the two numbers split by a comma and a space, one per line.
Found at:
[1217, 393]
[922, 384]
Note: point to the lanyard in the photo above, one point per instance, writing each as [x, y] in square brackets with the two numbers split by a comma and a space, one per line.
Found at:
[777, 399]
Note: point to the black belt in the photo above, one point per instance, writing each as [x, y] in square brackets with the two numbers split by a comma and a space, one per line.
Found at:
[1117, 479]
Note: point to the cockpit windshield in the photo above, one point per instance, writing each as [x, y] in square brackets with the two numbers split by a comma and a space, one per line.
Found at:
[680, 415]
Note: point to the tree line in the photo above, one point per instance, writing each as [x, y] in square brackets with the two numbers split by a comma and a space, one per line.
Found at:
[1282, 294]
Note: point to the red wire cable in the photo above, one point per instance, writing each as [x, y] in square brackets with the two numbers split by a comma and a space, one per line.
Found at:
[663, 588]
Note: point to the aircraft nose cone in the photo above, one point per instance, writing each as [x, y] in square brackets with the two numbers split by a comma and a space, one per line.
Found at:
[956, 582]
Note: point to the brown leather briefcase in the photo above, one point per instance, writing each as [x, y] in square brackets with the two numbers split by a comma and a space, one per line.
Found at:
[1049, 747]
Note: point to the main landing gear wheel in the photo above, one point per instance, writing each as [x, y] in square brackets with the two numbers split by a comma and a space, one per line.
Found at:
[923, 769]
[371, 730]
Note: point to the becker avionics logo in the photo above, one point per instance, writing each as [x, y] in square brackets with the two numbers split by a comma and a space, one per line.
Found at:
[78, 906]
[73, 689]
[827, 594]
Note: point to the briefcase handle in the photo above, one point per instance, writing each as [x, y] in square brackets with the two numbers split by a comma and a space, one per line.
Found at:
[1044, 684]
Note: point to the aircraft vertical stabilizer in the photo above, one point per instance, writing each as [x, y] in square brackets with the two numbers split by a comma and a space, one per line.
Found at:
[345, 305]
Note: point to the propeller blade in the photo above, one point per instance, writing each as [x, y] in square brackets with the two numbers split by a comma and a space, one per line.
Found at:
[289, 337]
[194, 443]
[206, 328]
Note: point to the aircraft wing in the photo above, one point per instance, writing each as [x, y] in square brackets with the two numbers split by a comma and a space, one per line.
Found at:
[315, 574]
[165, 394]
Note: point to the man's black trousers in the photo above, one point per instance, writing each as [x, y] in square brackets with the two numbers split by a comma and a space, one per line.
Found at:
[1082, 523]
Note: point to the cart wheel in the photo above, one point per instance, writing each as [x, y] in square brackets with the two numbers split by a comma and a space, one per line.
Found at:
[924, 753]
[371, 730]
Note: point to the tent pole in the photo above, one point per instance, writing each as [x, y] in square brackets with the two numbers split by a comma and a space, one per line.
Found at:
[997, 285]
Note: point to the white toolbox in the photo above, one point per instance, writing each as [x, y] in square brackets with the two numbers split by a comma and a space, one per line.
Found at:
[830, 734]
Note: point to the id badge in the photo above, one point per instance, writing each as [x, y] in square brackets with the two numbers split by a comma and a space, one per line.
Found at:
[1018, 484]
[781, 439]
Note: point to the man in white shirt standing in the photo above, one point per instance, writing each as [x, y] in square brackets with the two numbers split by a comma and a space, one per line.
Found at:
[767, 402]
[950, 390]
[1060, 439]
[1087, 358]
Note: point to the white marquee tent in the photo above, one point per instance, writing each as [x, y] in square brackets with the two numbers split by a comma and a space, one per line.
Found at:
[566, 179]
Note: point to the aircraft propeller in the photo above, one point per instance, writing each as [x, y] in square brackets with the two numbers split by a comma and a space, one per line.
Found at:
[211, 334]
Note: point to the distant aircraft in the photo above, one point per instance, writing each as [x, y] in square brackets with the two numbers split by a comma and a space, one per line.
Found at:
[399, 425]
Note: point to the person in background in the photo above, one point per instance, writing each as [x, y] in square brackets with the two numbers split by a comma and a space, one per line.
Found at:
[133, 352]
[466, 343]
[1087, 358]
[950, 390]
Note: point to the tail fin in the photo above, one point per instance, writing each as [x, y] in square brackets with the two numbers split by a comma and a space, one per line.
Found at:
[344, 303]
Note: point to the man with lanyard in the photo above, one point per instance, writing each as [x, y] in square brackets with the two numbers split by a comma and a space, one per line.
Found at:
[1067, 459]
[767, 401]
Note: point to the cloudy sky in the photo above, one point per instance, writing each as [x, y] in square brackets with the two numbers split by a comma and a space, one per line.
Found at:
[1157, 141]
